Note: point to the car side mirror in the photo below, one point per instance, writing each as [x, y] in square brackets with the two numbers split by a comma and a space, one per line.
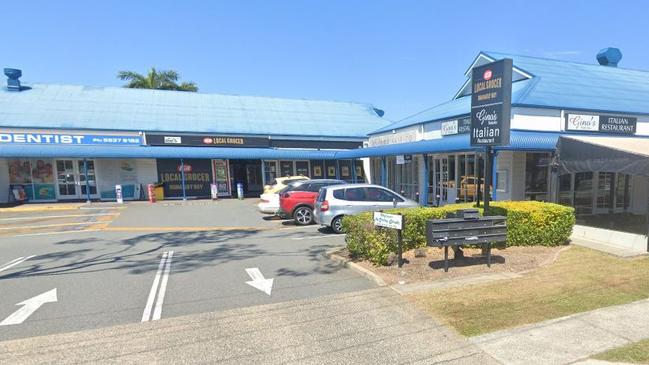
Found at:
[394, 202]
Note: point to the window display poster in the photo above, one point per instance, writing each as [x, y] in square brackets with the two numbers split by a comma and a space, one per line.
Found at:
[198, 177]
[35, 176]
[317, 171]
[221, 177]
[127, 171]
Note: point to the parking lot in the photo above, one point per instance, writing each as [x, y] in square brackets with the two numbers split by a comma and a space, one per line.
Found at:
[103, 264]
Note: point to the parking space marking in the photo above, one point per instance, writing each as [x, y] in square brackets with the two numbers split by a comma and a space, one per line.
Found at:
[15, 262]
[163, 273]
[56, 216]
[50, 225]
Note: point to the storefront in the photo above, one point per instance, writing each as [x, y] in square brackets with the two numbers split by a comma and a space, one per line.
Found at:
[429, 156]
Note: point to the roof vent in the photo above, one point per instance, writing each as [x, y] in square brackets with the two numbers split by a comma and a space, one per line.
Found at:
[609, 56]
[379, 112]
[13, 84]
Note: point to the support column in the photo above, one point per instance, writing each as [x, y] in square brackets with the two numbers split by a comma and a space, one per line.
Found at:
[85, 173]
[423, 198]
[354, 171]
[494, 177]
[384, 172]
[337, 170]
[182, 177]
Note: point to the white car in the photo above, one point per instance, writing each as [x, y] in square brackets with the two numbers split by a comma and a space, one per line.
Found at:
[268, 203]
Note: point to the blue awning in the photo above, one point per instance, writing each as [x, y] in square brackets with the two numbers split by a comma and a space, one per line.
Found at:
[31, 150]
[519, 141]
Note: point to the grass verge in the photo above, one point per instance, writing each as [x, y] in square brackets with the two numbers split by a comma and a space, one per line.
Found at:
[635, 353]
[580, 280]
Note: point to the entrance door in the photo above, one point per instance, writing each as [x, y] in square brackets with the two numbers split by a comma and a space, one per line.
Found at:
[71, 179]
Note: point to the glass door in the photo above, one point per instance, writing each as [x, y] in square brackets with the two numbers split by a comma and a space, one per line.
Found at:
[92, 181]
[67, 180]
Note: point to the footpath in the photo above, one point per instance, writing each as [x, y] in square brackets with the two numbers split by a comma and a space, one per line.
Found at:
[569, 339]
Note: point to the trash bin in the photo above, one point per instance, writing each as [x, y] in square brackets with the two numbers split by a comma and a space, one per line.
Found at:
[159, 192]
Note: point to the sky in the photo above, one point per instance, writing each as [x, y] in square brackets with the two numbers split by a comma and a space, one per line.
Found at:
[401, 56]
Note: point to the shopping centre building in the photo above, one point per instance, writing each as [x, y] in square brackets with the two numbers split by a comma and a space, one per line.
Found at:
[61, 142]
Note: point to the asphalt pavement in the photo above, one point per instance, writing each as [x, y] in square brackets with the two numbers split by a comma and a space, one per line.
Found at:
[150, 262]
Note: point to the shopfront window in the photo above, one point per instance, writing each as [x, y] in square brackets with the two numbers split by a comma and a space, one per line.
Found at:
[537, 172]
[302, 168]
[565, 189]
[583, 196]
[406, 177]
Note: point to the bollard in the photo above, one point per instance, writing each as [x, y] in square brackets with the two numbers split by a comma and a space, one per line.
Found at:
[240, 191]
[151, 191]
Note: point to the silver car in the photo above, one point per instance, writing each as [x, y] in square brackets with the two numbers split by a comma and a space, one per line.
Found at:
[334, 202]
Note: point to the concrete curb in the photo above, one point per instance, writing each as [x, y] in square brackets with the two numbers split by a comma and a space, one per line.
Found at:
[335, 256]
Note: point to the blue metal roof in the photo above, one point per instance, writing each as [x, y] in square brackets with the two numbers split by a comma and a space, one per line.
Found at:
[113, 108]
[519, 141]
[557, 84]
[31, 150]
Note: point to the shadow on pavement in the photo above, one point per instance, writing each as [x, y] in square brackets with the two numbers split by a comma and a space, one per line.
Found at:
[137, 261]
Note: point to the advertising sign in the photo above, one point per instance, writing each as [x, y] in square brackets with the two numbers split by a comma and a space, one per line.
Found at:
[394, 221]
[198, 177]
[456, 126]
[156, 139]
[601, 123]
[118, 194]
[60, 138]
[491, 97]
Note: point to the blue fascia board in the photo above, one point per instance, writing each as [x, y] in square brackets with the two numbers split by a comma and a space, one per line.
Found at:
[163, 152]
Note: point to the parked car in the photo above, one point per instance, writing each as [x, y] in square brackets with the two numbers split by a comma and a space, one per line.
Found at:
[297, 199]
[269, 200]
[334, 202]
[281, 182]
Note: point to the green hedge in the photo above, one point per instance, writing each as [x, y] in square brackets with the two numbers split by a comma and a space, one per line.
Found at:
[529, 223]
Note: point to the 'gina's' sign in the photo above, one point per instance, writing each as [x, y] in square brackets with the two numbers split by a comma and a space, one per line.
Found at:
[601, 123]
[394, 221]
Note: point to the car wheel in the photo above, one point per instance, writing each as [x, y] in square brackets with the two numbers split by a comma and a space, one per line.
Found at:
[337, 224]
[303, 216]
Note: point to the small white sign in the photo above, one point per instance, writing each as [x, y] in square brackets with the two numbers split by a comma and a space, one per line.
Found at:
[449, 127]
[401, 160]
[394, 221]
[214, 190]
[583, 122]
[118, 194]
[173, 140]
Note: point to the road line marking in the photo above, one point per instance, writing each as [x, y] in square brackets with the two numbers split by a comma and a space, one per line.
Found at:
[51, 233]
[15, 262]
[56, 216]
[50, 225]
[146, 315]
[157, 313]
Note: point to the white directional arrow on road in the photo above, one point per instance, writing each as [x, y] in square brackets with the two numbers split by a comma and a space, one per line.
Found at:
[258, 281]
[29, 307]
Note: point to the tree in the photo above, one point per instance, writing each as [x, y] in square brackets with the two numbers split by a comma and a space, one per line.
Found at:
[154, 79]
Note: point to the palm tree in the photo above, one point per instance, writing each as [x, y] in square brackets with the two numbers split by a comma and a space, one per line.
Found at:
[161, 80]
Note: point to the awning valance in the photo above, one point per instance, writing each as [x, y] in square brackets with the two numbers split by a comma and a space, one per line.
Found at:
[76, 151]
[628, 155]
[519, 141]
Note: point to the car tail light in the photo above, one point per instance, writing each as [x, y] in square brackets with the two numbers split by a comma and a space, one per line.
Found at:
[324, 206]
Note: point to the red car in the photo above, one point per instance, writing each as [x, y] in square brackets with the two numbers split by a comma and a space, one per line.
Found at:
[298, 198]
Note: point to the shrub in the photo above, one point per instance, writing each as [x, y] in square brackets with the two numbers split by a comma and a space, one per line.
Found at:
[535, 223]
[529, 223]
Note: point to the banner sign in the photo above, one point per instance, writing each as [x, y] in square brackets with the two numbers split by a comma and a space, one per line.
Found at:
[198, 177]
[456, 126]
[205, 140]
[491, 101]
[601, 123]
[404, 159]
[60, 138]
[386, 220]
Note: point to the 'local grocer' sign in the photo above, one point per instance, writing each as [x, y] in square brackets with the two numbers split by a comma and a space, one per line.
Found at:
[491, 103]
[394, 221]
[601, 123]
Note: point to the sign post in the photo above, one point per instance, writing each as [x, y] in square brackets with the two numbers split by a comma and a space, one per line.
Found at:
[393, 221]
[491, 104]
